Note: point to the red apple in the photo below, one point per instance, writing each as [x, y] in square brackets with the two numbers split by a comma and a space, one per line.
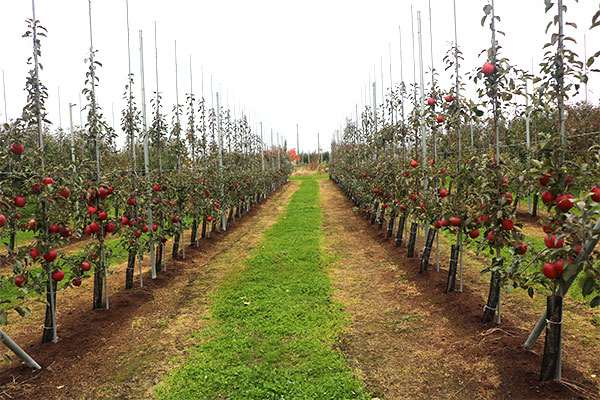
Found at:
[552, 243]
[50, 256]
[431, 101]
[521, 248]
[58, 275]
[34, 253]
[154, 227]
[545, 179]
[559, 268]
[2, 220]
[125, 221]
[17, 148]
[547, 197]
[76, 282]
[455, 221]
[596, 194]
[21, 281]
[488, 68]
[94, 227]
[474, 234]
[92, 210]
[549, 270]
[414, 164]
[443, 192]
[508, 224]
[440, 119]
[437, 224]
[86, 266]
[131, 201]
[20, 201]
[102, 215]
[449, 98]
[209, 218]
[490, 236]
[565, 202]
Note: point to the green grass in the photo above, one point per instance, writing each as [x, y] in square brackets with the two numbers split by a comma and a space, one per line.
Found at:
[308, 177]
[275, 327]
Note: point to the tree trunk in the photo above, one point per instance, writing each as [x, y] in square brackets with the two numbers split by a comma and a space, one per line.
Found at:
[412, 240]
[98, 282]
[400, 230]
[535, 205]
[194, 232]
[490, 308]
[48, 327]
[390, 227]
[552, 346]
[203, 234]
[427, 250]
[175, 253]
[130, 269]
[452, 269]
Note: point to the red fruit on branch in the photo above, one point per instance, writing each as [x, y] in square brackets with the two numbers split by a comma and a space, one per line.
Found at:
[559, 268]
[508, 198]
[48, 181]
[596, 194]
[20, 201]
[102, 215]
[552, 243]
[488, 68]
[547, 197]
[125, 221]
[156, 188]
[34, 253]
[490, 236]
[402, 207]
[2, 220]
[145, 228]
[414, 164]
[86, 266]
[508, 224]
[65, 193]
[431, 101]
[92, 210]
[565, 202]
[94, 227]
[175, 218]
[58, 275]
[131, 201]
[455, 221]
[76, 282]
[445, 222]
[17, 148]
[545, 179]
[443, 193]
[414, 197]
[21, 281]
[50, 256]
[103, 192]
[209, 218]
[521, 248]
[440, 119]
[110, 228]
[474, 234]
[437, 224]
[154, 227]
[449, 98]
[549, 270]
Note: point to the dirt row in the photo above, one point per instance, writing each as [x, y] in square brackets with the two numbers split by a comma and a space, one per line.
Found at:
[408, 339]
[124, 352]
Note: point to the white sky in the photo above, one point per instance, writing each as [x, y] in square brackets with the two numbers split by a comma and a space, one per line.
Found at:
[286, 63]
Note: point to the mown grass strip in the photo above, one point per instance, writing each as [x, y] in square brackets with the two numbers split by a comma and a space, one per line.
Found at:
[275, 327]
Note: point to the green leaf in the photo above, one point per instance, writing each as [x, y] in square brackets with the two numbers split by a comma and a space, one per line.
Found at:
[7, 358]
[588, 286]
[595, 301]
[530, 292]
[23, 311]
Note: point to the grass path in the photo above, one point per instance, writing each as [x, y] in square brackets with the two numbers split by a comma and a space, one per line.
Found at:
[274, 328]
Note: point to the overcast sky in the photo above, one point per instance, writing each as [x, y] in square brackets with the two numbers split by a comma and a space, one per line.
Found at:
[285, 63]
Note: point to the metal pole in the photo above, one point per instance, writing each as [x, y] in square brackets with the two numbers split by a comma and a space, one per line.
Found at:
[146, 151]
[8, 342]
[41, 147]
[220, 137]
[59, 112]
[71, 105]
[5, 107]
[459, 136]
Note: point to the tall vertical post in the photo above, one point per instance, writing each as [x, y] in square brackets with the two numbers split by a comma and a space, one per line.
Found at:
[71, 105]
[4, 90]
[459, 136]
[220, 139]
[146, 151]
[297, 141]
